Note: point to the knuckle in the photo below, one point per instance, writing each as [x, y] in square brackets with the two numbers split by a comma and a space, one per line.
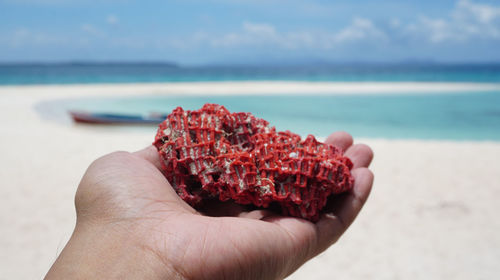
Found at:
[91, 190]
[116, 155]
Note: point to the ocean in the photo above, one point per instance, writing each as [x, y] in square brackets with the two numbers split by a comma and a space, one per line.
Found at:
[451, 116]
[84, 73]
[460, 116]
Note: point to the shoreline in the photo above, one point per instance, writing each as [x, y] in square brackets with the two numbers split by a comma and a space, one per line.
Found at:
[51, 102]
[251, 87]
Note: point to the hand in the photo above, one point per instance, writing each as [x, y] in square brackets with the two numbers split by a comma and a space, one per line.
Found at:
[132, 224]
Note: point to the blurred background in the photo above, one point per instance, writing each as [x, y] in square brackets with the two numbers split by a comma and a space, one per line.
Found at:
[419, 81]
[275, 32]
[89, 42]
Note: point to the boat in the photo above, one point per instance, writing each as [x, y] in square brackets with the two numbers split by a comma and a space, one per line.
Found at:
[112, 118]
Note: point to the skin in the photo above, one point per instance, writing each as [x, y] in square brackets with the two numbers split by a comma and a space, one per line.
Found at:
[131, 224]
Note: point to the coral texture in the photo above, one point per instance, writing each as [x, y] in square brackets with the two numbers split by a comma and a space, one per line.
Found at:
[211, 153]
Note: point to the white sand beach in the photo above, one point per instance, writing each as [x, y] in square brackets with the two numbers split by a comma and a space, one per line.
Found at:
[432, 214]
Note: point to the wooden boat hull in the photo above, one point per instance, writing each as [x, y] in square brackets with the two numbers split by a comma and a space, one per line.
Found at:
[108, 118]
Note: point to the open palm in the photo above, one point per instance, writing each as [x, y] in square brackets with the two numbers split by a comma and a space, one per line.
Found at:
[127, 191]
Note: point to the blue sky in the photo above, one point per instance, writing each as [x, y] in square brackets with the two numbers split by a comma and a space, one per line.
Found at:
[246, 31]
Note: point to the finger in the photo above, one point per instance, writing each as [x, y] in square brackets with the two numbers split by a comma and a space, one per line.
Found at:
[332, 225]
[150, 154]
[340, 139]
[360, 154]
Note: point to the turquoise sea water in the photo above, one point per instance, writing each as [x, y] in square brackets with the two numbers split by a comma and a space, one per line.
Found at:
[452, 116]
[461, 116]
[21, 74]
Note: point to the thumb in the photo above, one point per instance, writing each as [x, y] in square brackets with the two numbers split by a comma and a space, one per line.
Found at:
[150, 154]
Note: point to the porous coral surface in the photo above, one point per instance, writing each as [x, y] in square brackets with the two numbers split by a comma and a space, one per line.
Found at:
[211, 153]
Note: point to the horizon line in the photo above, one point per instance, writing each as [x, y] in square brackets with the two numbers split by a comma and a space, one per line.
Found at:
[174, 64]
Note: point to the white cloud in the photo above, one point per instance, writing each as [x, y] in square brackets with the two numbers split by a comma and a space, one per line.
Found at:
[479, 20]
[250, 34]
[92, 30]
[437, 30]
[480, 12]
[259, 28]
[466, 21]
[112, 19]
[266, 34]
[359, 29]
[395, 23]
[25, 37]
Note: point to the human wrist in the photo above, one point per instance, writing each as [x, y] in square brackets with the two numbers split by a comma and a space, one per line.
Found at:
[108, 251]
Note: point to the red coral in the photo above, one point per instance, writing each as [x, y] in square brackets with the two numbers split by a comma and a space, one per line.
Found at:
[235, 156]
